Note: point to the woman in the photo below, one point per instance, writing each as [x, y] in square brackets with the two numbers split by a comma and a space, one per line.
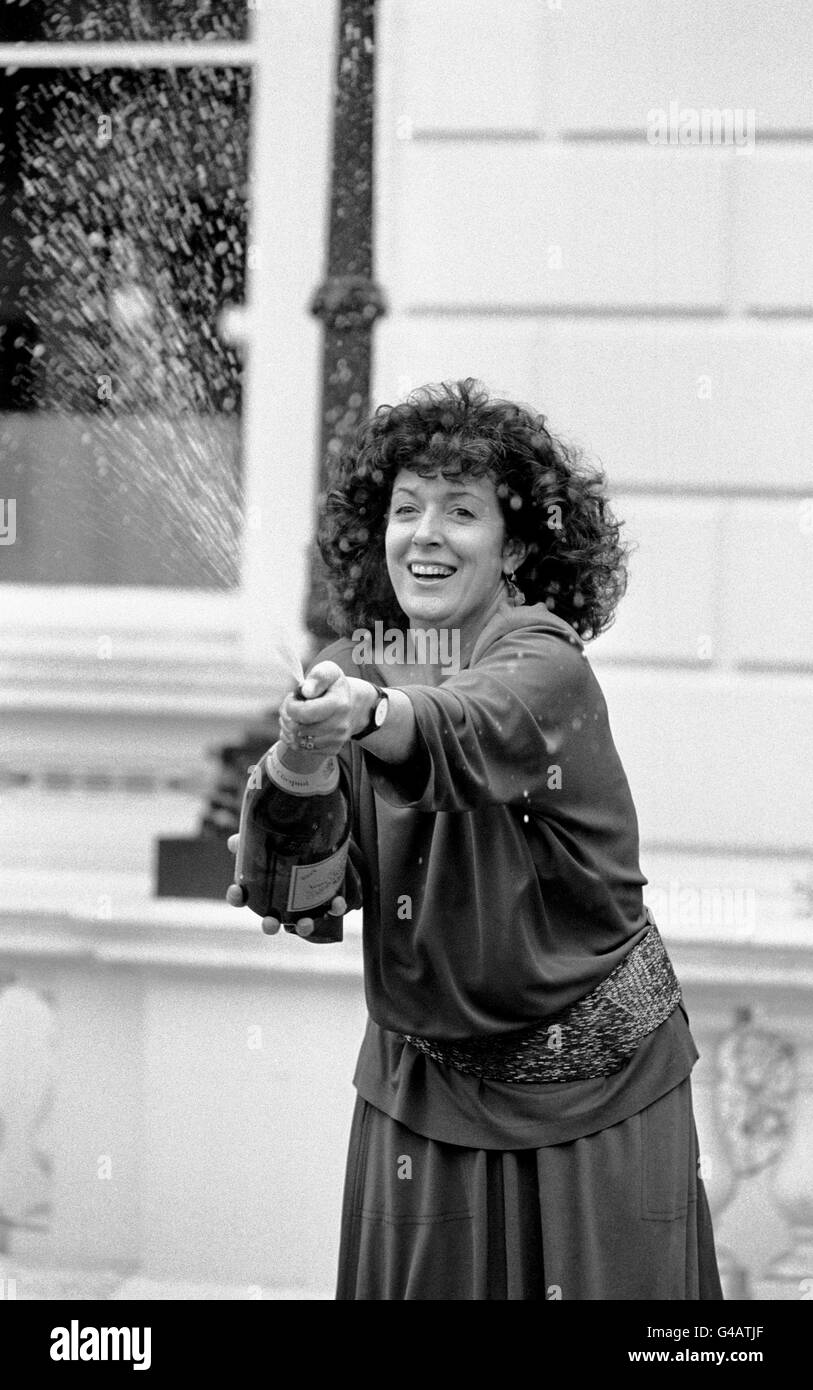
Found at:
[523, 1126]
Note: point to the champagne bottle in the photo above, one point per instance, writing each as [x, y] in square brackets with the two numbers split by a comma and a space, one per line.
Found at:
[294, 839]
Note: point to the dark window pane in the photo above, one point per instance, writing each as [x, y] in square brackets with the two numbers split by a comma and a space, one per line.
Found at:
[106, 20]
[123, 236]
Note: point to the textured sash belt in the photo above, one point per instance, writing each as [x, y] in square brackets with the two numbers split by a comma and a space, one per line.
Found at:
[593, 1037]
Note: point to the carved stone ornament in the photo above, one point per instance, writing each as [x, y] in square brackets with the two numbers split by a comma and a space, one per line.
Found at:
[26, 1084]
[756, 1094]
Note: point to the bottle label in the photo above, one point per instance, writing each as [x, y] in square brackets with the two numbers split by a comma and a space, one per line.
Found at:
[314, 884]
[317, 783]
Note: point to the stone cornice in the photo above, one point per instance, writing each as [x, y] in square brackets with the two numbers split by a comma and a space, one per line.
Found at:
[171, 685]
[113, 918]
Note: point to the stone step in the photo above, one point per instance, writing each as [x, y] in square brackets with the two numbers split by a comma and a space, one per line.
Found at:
[28, 1284]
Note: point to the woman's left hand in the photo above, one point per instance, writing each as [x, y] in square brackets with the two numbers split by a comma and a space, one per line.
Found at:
[271, 925]
[331, 711]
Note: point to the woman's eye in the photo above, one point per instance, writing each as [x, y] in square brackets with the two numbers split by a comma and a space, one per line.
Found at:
[405, 510]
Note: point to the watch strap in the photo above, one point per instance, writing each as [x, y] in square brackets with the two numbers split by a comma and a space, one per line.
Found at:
[371, 725]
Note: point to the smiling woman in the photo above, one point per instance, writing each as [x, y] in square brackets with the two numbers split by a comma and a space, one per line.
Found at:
[447, 552]
[524, 1126]
[552, 503]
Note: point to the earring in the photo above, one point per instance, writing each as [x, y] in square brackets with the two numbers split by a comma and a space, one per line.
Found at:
[515, 594]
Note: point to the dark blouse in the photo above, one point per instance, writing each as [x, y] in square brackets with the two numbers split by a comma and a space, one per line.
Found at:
[500, 882]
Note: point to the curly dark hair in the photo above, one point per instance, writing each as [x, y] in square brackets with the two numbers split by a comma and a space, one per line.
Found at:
[550, 498]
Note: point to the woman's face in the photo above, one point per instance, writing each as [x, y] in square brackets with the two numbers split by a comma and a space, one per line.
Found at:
[455, 528]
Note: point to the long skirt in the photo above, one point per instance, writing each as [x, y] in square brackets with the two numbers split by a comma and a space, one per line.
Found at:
[621, 1214]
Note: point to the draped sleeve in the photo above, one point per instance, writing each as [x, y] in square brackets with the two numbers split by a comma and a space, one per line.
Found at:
[521, 726]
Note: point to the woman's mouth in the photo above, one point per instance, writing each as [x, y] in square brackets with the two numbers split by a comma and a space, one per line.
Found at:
[426, 574]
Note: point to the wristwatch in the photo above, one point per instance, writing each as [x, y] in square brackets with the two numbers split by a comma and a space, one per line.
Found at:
[379, 714]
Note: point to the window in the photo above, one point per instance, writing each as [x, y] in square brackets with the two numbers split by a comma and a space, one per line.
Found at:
[128, 20]
[218, 567]
[125, 227]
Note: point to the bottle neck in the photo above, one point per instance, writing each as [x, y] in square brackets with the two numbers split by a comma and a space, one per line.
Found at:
[315, 781]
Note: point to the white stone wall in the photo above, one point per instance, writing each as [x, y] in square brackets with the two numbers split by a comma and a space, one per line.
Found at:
[656, 303]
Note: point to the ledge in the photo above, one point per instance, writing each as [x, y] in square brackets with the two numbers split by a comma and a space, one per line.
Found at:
[46, 1284]
[137, 649]
[213, 683]
[113, 919]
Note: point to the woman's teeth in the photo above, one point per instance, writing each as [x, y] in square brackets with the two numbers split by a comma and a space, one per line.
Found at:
[431, 571]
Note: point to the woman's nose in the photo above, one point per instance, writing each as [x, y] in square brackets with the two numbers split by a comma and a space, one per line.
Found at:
[428, 527]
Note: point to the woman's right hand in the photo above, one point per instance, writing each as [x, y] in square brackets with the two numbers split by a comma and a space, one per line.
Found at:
[322, 716]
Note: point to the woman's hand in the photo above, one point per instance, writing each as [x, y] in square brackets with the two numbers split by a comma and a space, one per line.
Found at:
[306, 925]
[334, 707]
